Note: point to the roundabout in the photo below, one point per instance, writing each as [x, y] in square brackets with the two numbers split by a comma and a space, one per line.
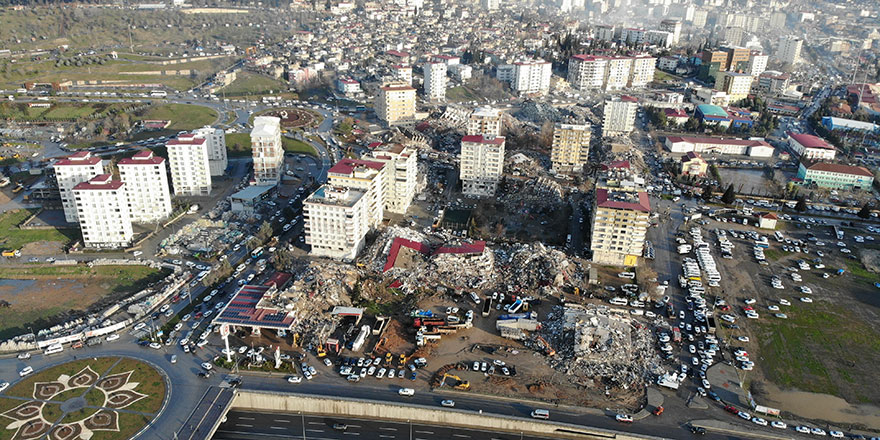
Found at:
[103, 398]
[293, 117]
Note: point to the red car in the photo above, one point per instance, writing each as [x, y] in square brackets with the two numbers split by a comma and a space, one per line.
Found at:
[198, 315]
[731, 409]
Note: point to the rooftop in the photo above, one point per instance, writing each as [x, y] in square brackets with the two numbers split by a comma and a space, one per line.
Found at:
[712, 110]
[144, 157]
[810, 141]
[840, 169]
[252, 192]
[266, 126]
[99, 182]
[477, 139]
[348, 166]
[335, 195]
[627, 200]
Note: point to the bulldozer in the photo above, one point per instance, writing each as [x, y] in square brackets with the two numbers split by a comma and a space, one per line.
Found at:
[459, 384]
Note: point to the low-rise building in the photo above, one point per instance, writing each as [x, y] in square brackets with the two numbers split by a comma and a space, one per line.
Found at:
[336, 222]
[710, 145]
[835, 176]
[809, 147]
[103, 213]
[693, 165]
[620, 223]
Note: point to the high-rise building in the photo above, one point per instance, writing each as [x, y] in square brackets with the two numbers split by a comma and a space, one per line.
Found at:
[267, 149]
[146, 187]
[336, 222]
[737, 58]
[620, 115]
[396, 104]
[435, 81]
[402, 175]
[216, 137]
[773, 81]
[736, 85]
[367, 175]
[527, 76]
[777, 20]
[733, 35]
[190, 166]
[713, 61]
[757, 63]
[605, 32]
[484, 121]
[673, 26]
[642, 71]
[482, 164]
[102, 209]
[71, 171]
[571, 147]
[620, 223]
[402, 73]
[789, 50]
[490, 5]
[700, 18]
[587, 72]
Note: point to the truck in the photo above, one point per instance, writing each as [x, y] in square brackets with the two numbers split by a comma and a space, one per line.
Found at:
[487, 306]
[12, 253]
[421, 322]
[676, 335]
[668, 381]
[516, 306]
[710, 324]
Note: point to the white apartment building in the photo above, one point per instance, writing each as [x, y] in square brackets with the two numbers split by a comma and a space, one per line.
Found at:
[268, 151]
[336, 222]
[435, 81]
[396, 104]
[484, 121]
[605, 32]
[527, 76]
[620, 115]
[490, 5]
[102, 209]
[482, 164]
[402, 73]
[146, 187]
[642, 71]
[71, 171]
[809, 147]
[789, 50]
[216, 137]
[571, 147]
[736, 85]
[672, 26]
[633, 35]
[402, 175]
[586, 72]
[757, 64]
[190, 166]
[368, 176]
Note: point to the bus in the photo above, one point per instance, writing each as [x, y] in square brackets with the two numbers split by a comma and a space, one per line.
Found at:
[52, 349]
[158, 94]
[256, 253]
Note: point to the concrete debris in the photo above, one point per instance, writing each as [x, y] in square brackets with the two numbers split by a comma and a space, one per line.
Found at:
[538, 112]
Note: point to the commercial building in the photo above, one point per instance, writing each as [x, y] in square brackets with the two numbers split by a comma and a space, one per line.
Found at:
[190, 166]
[527, 77]
[368, 176]
[809, 147]
[835, 176]
[737, 58]
[736, 85]
[757, 63]
[71, 171]
[571, 147]
[789, 50]
[620, 223]
[586, 72]
[716, 115]
[396, 104]
[832, 123]
[710, 145]
[402, 175]
[103, 213]
[216, 137]
[435, 81]
[336, 222]
[484, 121]
[692, 164]
[773, 82]
[712, 62]
[620, 115]
[246, 200]
[268, 151]
[146, 187]
[482, 164]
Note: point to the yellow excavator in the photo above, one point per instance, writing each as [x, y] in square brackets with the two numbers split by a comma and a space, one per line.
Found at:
[459, 384]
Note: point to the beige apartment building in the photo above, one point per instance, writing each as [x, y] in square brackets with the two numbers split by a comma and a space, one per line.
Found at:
[571, 147]
[396, 104]
[620, 223]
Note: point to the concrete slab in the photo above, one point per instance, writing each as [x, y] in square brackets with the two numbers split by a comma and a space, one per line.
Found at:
[725, 382]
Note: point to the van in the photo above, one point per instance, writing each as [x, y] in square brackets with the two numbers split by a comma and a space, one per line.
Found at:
[406, 392]
[475, 298]
[618, 301]
[541, 414]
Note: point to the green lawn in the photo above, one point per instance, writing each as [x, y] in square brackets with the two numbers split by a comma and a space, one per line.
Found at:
[772, 254]
[247, 83]
[821, 348]
[861, 274]
[182, 116]
[150, 382]
[124, 278]
[11, 237]
[239, 145]
[58, 110]
[25, 387]
[460, 93]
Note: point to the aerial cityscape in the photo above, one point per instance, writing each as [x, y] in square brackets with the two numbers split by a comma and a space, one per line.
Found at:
[439, 220]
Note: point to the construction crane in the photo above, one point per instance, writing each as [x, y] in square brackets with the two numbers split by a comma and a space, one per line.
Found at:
[459, 384]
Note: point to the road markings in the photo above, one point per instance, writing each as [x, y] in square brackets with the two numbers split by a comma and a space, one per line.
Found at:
[315, 430]
[387, 429]
[386, 436]
[424, 432]
[244, 426]
[246, 418]
[281, 420]
[461, 435]
[351, 433]
[277, 427]
[316, 423]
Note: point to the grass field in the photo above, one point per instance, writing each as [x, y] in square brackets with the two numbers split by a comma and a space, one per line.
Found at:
[150, 382]
[58, 110]
[25, 387]
[460, 93]
[862, 275]
[182, 116]
[248, 83]
[239, 145]
[821, 348]
[11, 237]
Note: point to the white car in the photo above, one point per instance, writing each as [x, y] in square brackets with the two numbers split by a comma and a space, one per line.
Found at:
[446, 403]
[25, 371]
[155, 345]
[773, 308]
[140, 326]
[805, 289]
[294, 379]
[112, 337]
[742, 338]
[779, 425]
[406, 392]
[835, 434]
[759, 421]
[802, 429]
[3, 386]
[24, 356]
[784, 302]
[817, 431]
[207, 366]
[806, 299]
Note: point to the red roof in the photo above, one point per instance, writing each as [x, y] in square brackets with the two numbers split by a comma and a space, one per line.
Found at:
[643, 205]
[590, 57]
[841, 169]
[397, 53]
[187, 140]
[769, 215]
[395, 250]
[397, 88]
[624, 164]
[675, 113]
[78, 159]
[144, 157]
[99, 182]
[278, 279]
[242, 310]
[629, 98]
[477, 139]
[810, 141]
[347, 166]
[373, 145]
[717, 141]
[476, 247]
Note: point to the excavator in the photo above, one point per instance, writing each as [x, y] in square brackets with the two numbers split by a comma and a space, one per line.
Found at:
[459, 384]
[320, 352]
[389, 358]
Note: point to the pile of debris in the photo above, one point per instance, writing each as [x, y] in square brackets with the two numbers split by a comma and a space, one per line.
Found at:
[538, 112]
[531, 265]
[596, 346]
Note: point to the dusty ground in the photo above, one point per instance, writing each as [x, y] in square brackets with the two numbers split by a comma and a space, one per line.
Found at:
[43, 248]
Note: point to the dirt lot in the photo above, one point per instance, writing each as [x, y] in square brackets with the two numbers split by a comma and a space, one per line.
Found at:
[829, 346]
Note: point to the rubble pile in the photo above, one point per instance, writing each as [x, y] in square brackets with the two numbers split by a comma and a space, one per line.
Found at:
[530, 265]
[538, 112]
[595, 345]
[205, 237]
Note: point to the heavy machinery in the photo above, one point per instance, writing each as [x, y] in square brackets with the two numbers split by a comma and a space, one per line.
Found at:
[389, 358]
[548, 349]
[320, 352]
[458, 385]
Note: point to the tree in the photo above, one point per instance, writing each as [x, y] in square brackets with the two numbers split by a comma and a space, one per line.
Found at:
[265, 231]
[729, 196]
[801, 205]
[865, 212]
[282, 259]
[707, 192]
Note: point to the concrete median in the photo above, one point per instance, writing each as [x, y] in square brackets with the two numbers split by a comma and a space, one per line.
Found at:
[375, 410]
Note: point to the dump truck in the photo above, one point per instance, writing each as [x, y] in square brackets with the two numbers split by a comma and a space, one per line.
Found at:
[12, 253]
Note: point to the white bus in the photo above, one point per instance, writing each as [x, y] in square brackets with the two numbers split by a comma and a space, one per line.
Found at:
[158, 94]
[52, 349]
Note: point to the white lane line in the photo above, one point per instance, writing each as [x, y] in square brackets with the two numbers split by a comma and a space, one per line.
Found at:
[387, 429]
[244, 426]
[246, 418]
[351, 433]
[386, 436]
[315, 423]
[424, 432]
[461, 435]
[281, 420]
[314, 430]
[277, 427]
[354, 426]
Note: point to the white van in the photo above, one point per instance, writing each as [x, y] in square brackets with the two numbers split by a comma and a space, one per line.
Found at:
[540, 414]
[617, 301]
[406, 392]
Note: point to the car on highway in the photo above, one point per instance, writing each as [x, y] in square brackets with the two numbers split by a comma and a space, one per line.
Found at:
[3, 386]
[25, 371]
[409, 392]
[207, 366]
[340, 426]
[155, 345]
[802, 429]
[623, 418]
[448, 403]
[294, 379]
[744, 415]
[779, 425]
[24, 356]
[759, 421]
